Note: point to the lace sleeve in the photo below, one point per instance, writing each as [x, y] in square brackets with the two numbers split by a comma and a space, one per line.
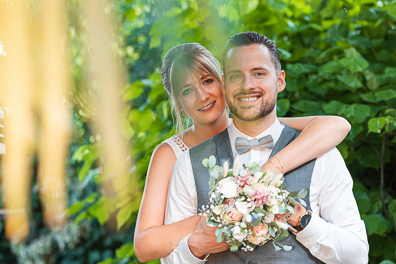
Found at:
[177, 145]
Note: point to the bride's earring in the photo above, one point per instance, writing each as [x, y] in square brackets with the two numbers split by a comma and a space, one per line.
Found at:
[183, 113]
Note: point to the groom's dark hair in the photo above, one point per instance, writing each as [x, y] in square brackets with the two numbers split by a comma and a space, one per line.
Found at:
[249, 38]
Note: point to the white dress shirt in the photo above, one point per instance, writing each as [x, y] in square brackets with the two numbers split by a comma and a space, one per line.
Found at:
[335, 234]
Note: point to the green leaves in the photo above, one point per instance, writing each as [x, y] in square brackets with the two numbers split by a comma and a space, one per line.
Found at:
[246, 7]
[392, 9]
[282, 107]
[350, 80]
[376, 224]
[376, 124]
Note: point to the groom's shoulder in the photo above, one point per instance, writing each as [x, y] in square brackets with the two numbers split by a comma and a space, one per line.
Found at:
[203, 145]
[209, 143]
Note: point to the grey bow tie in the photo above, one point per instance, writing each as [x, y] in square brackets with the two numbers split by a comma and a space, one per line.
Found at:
[243, 145]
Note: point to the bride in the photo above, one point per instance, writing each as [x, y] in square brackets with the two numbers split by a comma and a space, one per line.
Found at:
[192, 77]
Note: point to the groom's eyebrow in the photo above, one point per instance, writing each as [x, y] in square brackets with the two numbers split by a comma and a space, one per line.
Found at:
[259, 69]
[233, 71]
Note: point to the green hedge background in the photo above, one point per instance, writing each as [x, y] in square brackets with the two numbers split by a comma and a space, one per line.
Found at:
[339, 57]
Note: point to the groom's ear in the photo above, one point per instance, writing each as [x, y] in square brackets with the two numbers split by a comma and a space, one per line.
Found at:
[281, 81]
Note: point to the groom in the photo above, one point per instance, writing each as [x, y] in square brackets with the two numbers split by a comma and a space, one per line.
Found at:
[331, 229]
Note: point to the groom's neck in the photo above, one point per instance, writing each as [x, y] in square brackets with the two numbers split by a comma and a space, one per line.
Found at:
[255, 128]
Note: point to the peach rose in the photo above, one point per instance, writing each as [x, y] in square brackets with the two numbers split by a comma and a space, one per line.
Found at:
[234, 215]
[260, 230]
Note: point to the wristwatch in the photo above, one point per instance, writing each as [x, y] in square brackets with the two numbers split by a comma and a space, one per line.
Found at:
[303, 222]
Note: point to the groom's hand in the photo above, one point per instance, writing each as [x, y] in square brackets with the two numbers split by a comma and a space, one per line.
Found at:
[203, 240]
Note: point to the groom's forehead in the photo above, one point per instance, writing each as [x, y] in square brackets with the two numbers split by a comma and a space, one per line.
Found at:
[239, 54]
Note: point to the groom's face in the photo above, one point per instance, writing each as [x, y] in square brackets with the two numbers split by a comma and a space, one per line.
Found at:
[251, 82]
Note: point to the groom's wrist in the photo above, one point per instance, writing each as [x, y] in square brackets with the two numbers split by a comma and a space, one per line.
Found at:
[294, 219]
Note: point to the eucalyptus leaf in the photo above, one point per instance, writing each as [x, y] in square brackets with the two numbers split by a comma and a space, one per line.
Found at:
[214, 172]
[287, 248]
[302, 193]
[302, 202]
[234, 248]
[290, 208]
[205, 162]
[277, 248]
[220, 237]
[283, 210]
[293, 194]
[260, 210]
[212, 161]
[272, 231]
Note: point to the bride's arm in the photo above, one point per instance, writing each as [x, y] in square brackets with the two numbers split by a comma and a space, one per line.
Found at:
[319, 135]
[153, 239]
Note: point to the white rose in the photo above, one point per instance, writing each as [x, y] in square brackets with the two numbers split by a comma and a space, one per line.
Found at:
[228, 187]
[238, 233]
[248, 190]
[268, 177]
[273, 190]
[247, 218]
[258, 240]
[217, 209]
[275, 209]
[242, 207]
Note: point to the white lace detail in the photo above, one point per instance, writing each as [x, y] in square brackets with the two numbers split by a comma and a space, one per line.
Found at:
[177, 145]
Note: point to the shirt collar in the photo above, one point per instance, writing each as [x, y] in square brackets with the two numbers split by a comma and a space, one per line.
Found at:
[274, 130]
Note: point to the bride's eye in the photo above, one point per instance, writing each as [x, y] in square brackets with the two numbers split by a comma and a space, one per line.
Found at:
[186, 91]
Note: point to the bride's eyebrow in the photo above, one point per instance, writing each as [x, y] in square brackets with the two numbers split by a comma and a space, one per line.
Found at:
[185, 86]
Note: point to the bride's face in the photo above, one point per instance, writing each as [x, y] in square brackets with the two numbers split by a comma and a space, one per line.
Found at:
[202, 99]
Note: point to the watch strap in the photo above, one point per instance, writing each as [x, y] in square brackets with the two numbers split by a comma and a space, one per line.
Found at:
[301, 225]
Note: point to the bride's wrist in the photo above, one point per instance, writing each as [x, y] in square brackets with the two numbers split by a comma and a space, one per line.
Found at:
[273, 165]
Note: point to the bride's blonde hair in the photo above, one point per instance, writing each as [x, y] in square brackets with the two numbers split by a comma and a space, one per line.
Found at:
[182, 62]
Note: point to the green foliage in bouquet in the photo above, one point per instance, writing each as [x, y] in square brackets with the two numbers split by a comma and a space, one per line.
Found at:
[248, 207]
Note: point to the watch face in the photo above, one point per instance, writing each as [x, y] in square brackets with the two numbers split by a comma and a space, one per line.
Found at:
[305, 220]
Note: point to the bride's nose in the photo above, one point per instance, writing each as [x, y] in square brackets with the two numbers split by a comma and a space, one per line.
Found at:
[203, 95]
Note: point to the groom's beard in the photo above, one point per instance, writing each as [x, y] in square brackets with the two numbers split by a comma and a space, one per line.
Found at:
[245, 113]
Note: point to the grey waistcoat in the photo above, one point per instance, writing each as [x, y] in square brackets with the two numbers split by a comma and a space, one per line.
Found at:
[297, 179]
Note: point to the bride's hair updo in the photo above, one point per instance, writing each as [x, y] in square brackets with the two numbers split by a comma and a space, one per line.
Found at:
[182, 62]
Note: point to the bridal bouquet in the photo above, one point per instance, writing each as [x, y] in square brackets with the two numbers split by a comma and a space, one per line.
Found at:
[249, 208]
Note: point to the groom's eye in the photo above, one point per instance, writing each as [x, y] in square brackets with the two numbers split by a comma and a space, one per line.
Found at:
[208, 81]
[259, 74]
[234, 77]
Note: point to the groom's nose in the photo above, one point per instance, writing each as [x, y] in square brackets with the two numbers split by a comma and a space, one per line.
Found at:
[247, 82]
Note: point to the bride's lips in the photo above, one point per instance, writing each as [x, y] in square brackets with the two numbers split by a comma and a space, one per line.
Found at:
[207, 107]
